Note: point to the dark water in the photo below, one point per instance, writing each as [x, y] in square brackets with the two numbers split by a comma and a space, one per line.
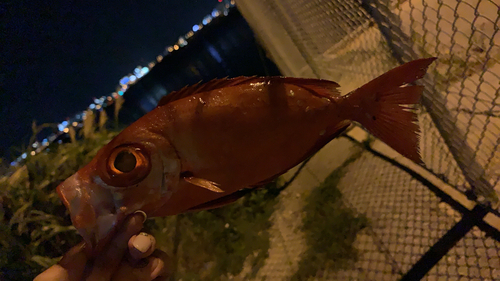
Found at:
[224, 48]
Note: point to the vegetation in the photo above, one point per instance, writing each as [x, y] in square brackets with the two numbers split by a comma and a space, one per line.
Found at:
[330, 228]
[215, 244]
[35, 227]
[36, 230]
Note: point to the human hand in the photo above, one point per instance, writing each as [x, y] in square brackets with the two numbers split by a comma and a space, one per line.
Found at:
[140, 262]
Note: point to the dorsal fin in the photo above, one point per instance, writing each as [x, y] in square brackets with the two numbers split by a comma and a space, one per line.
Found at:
[311, 84]
[210, 85]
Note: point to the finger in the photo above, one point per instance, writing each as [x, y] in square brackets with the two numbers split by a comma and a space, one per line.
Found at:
[141, 246]
[161, 264]
[107, 262]
[154, 267]
[69, 268]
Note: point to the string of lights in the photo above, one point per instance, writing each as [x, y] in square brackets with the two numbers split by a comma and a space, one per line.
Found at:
[124, 84]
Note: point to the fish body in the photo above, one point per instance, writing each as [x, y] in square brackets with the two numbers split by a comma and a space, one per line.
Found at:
[204, 143]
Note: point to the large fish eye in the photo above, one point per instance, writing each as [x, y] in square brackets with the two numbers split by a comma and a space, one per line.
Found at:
[125, 161]
[126, 165]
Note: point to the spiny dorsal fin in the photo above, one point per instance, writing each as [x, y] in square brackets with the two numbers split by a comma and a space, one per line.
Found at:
[210, 85]
[315, 85]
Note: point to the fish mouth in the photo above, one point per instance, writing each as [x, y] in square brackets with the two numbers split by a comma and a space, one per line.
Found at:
[92, 210]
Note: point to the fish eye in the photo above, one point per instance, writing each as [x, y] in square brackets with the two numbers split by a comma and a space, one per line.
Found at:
[126, 165]
[125, 161]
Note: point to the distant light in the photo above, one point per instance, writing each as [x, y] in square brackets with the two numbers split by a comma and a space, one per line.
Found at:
[215, 13]
[64, 123]
[137, 70]
[97, 101]
[124, 87]
[220, 1]
[144, 70]
[24, 155]
[98, 107]
[33, 153]
[13, 163]
[60, 127]
[159, 58]
[214, 53]
[66, 130]
[226, 12]
[45, 141]
[78, 116]
[120, 93]
[151, 65]
[232, 3]
[170, 49]
[124, 80]
[182, 42]
[115, 95]
[196, 28]
[110, 98]
[205, 22]
[176, 47]
[35, 145]
[132, 78]
[59, 141]
[92, 106]
[75, 124]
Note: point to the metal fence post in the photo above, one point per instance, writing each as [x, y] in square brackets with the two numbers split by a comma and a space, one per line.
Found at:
[445, 243]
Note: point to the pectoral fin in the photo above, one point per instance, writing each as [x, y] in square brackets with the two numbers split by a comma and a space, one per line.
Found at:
[210, 185]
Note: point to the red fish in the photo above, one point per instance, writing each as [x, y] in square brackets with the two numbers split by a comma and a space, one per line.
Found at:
[204, 143]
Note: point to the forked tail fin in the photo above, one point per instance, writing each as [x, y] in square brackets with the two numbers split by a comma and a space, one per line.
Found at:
[380, 107]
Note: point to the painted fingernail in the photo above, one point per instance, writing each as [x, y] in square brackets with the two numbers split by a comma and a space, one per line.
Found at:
[142, 242]
[143, 214]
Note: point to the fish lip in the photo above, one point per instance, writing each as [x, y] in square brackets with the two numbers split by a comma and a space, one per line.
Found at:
[92, 210]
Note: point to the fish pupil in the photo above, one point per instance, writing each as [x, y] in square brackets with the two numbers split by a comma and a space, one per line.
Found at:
[125, 161]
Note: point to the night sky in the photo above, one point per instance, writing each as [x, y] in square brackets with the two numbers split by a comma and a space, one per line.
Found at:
[57, 55]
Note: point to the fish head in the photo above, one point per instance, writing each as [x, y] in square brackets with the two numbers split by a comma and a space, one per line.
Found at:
[126, 175]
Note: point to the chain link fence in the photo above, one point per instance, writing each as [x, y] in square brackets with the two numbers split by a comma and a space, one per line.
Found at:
[353, 41]
[412, 232]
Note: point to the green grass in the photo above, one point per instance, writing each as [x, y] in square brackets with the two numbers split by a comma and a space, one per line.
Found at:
[213, 245]
[330, 229]
[36, 230]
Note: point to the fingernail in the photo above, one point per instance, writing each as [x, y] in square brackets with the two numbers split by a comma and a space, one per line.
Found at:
[143, 214]
[142, 242]
[155, 266]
